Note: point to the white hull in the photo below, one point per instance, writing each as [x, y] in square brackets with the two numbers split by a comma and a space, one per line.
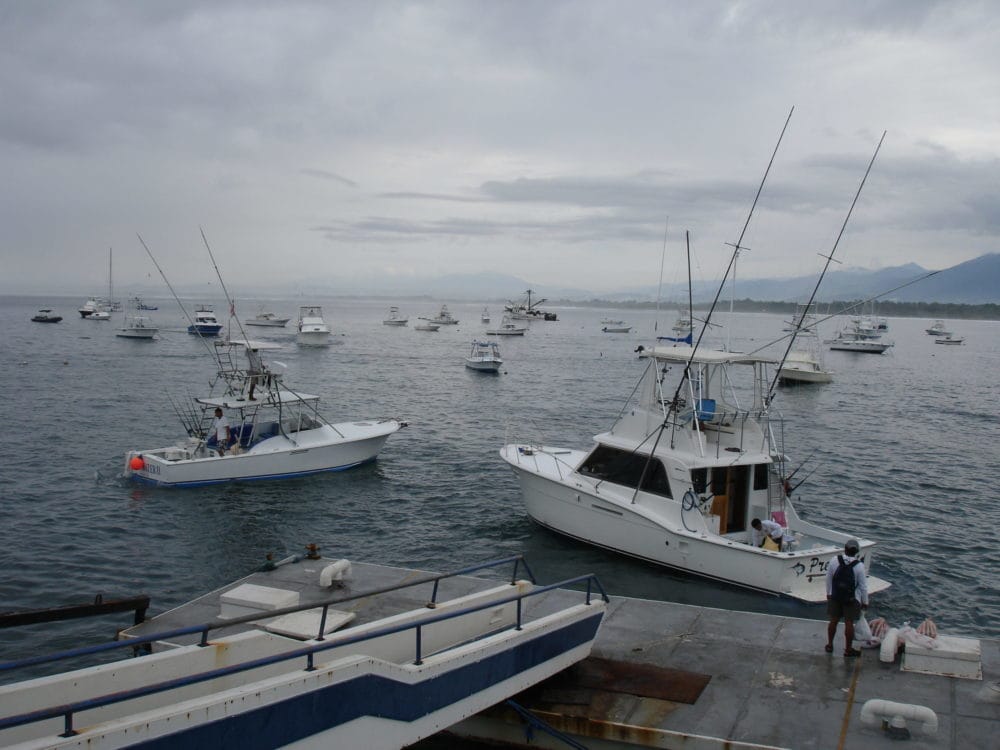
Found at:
[395, 322]
[314, 451]
[427, 327]
[313, 338]
[865, 346]
[659, 530]
[276, 323]
[616, 329]
[483, 366]
[137, 333]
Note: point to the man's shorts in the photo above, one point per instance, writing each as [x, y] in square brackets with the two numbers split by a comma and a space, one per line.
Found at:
[849, 611]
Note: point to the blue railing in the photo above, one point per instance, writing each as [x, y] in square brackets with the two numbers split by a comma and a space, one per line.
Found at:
[308, 652]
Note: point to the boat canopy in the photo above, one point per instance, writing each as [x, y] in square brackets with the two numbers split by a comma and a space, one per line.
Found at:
[234, 402]
[682, 354]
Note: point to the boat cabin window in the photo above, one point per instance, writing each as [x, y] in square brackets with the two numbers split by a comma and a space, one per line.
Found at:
[626, 468]
[760, 473]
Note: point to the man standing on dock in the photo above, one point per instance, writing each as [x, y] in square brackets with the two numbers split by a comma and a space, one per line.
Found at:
[846, 595]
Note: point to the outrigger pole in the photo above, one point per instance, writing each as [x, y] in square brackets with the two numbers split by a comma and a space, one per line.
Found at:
[732, 260]
[829, 259]
[176, 298]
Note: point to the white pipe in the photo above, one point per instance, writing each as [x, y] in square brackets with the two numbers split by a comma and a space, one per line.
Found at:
[875, 711]
[890, 644]
[337, 571]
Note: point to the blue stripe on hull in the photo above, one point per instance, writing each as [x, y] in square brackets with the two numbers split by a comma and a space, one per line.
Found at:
[255, 478]
[370, 695]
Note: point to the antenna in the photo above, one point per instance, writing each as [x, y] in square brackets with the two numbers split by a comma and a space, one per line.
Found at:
[659, 287]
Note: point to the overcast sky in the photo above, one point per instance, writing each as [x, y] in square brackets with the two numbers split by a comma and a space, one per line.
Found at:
[555, 141]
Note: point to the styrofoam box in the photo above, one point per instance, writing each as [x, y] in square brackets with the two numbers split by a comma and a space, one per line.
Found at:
[953, 657]
[251, 599]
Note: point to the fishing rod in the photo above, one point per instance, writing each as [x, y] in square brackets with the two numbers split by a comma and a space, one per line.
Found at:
[171, 288]
[826, 266]
[736, 249]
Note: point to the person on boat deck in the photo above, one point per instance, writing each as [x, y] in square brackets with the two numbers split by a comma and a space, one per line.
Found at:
[255, 370]
[851, 609]
[220, 427]
[764, 530]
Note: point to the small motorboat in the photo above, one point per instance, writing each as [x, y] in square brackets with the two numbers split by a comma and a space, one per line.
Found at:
[484, 317]
[205, 322]
[267, 319]
[136, 325]
[395, 319]
[426, 327]
[100, 314]
[313, 330]
[484, 357]
[46, 316]
[615, 326]
[507, 327]
[949, 339]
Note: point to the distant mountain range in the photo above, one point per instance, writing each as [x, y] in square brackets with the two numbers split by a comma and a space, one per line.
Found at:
[974, 282]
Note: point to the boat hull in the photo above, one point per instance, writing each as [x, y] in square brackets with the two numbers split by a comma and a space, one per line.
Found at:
[204, 329]
[796, 375]
[329, 448]
[490, 367]
[655, 530]
[266, 323]
[313, 338]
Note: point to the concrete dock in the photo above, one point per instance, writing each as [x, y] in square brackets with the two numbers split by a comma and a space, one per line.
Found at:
[771, 685]
[668, 675]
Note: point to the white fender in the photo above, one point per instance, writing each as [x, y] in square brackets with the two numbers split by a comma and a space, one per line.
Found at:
[875, 711]
[337, 571]
[889, 647]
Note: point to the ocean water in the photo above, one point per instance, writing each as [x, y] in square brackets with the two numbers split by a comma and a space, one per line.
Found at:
[900, 448]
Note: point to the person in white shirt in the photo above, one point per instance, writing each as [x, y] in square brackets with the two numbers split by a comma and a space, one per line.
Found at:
[764, 529]
[847, 604]
[220, 428]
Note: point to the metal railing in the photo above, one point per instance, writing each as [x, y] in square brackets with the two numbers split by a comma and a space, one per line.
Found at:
[308, 652]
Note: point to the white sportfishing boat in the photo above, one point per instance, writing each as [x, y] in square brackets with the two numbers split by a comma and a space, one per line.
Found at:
[277, 434]
[802, 366]
[484, 317]
[507, 327]
[307, 653]
[444, 318]
[205, 323]
[859, 337]
[136, 325]
[679, 477]
[484, 357]
[949, 339]
[395, 319]
[312, 329]
[266, 319]
[938, 329]
[615, 326]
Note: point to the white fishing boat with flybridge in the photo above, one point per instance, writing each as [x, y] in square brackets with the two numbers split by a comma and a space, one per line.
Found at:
[312, 329]
[680, 476]
[484, 357]
[266, 319]
[275, 432]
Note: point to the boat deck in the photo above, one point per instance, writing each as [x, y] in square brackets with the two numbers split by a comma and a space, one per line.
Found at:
[770, 684]
[302, 577]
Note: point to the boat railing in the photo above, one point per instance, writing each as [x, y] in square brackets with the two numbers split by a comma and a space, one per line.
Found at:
[590, 581]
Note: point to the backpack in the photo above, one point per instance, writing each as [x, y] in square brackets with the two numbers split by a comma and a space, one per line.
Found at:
[844, 581]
